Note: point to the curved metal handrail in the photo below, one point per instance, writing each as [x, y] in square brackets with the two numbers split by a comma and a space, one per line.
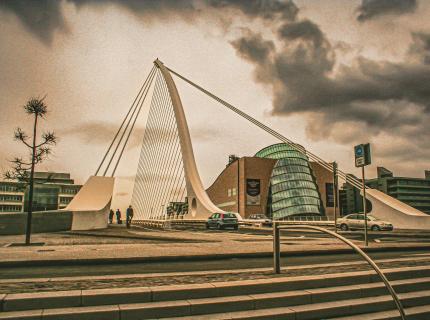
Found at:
[276, 246]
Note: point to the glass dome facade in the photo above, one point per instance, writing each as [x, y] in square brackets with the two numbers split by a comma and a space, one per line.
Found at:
[293, 190]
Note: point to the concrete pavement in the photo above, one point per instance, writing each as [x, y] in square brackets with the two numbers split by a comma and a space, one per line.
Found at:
[136, 244]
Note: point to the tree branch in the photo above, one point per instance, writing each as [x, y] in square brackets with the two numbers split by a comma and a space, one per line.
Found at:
[49, 138]
[20, 135]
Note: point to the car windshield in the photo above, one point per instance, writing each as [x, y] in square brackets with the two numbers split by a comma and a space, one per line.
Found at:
[372, 218]
[229, 216]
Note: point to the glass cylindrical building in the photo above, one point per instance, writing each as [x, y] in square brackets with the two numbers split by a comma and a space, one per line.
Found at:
[293, 190]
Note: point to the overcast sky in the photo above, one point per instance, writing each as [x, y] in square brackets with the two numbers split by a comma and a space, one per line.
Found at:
[327, 74]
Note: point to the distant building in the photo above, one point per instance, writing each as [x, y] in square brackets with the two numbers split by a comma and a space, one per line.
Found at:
[350, 199]
[412, 191]
[11, 196]
[52, 191]
[278, 181]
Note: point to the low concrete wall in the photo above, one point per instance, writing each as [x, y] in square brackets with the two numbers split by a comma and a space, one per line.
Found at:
[45, 221]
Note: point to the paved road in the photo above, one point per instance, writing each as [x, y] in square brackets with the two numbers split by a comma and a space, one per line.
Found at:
[171, 266]
[379, 236]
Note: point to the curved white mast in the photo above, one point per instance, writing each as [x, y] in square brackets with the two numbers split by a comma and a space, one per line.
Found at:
[199, 203]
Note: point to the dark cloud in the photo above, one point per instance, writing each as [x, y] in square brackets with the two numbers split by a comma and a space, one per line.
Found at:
[43, 17]
[253, 47]
[370, 9]
[265, 9]
[420, 48]
[378, 98]
[149, 10]
[40, 17]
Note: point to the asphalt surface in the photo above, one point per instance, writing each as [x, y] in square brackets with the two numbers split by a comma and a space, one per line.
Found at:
[172, 266]
[117, 243]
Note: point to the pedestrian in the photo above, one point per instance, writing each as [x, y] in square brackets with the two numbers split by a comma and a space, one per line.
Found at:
[118, 216]
[129, 216]
[111, 213]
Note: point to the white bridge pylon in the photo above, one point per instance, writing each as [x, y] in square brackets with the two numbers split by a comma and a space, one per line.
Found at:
[200, 205]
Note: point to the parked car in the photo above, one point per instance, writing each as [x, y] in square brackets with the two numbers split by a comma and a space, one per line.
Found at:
[356, 221]
[222, 221]
[259, 218]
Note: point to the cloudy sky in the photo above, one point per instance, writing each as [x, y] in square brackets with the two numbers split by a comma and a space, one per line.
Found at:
[327, 74]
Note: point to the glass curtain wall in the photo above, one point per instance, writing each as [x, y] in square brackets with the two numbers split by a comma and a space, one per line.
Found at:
[293, 190]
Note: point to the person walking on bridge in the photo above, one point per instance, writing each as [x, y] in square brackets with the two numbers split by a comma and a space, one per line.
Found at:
[129, 216]
[111, 213]
[118, 216]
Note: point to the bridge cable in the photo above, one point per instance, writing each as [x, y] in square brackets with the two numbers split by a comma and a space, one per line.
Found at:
[348, 178]
[148, 157]
[164, 152]
[128, 124]
[138, 192]
[256, 122]
[131, 130]
[154, 122]
[122, 124]
[163, 110]
[173, 154]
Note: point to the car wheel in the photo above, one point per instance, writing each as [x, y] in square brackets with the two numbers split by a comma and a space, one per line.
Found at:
[207, 226]
[236, 227]
[375, 228]
[344, 227]
[219, 226]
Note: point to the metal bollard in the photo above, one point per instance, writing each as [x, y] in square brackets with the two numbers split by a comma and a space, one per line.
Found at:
[276, 249]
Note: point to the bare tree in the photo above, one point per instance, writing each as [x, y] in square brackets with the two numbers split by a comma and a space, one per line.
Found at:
[23, 170]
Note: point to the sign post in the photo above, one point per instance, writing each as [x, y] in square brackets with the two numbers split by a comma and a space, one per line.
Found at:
[362, 159]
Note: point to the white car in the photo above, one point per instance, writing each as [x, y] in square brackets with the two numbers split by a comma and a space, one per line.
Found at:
[355, 221]
[261, 219]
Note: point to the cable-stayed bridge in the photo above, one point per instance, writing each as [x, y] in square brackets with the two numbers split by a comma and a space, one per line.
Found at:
[167, 179]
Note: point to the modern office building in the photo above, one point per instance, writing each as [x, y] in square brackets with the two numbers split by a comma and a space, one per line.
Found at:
[293, 190]
[412, 191]
[350, 199]
[11, 196]
[278, 181]
[52, 191]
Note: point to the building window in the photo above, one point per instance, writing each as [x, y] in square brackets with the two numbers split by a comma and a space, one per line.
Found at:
[10, 198]
[229, 192]
[65, 200]
[233, 191]
[8, 188]
[10, 208]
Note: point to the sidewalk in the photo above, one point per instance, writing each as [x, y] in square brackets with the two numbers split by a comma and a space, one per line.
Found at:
[196, 277]
[139, 245]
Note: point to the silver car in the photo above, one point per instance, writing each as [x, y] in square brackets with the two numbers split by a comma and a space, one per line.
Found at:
[356, 221]
[261, 219]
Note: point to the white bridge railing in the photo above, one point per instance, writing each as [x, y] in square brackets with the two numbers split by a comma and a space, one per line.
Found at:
[171, 223]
